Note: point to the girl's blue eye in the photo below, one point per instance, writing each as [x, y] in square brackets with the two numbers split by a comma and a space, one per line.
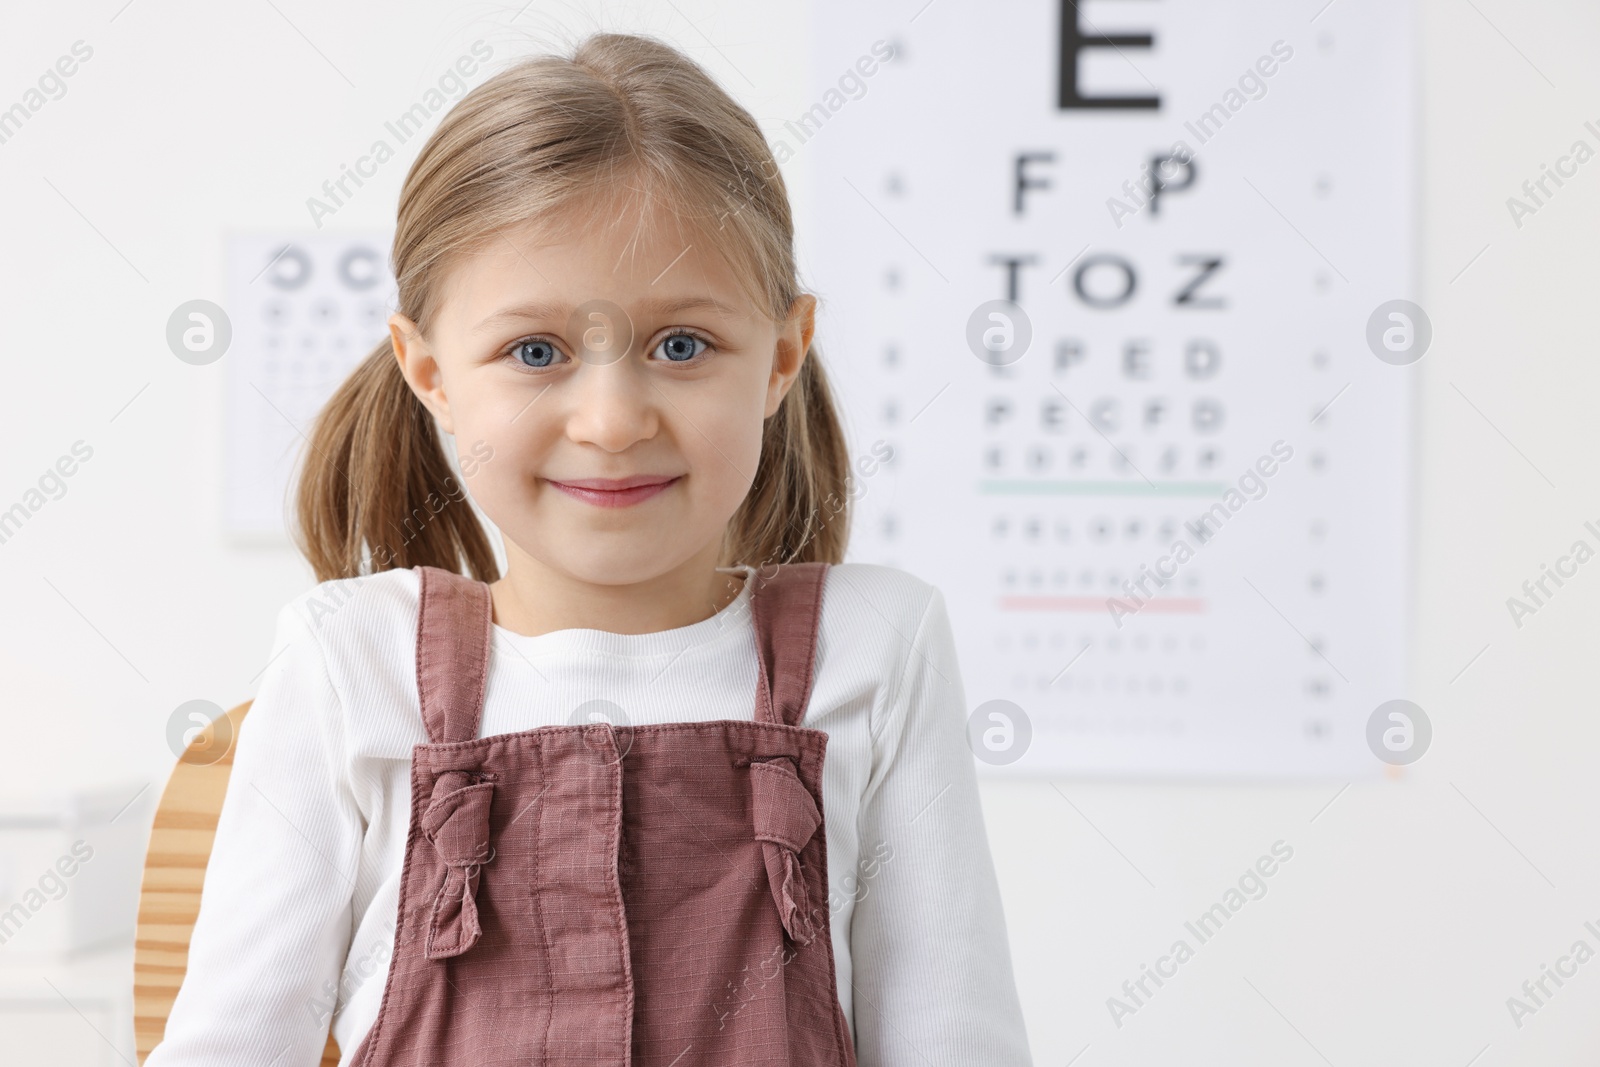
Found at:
[680, 347]
[535, 352]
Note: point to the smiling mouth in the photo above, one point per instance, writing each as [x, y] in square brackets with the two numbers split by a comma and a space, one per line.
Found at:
[615, 492]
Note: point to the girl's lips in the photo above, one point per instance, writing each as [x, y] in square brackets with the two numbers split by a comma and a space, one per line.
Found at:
[613, 498]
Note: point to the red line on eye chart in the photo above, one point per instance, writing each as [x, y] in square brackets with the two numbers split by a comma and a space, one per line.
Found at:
[1172, 605]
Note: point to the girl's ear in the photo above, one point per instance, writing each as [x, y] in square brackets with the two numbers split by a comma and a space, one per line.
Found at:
[794, 341]
[420, 368]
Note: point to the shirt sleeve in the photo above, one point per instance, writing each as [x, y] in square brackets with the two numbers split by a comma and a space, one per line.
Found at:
[933, 984]
[274, 923]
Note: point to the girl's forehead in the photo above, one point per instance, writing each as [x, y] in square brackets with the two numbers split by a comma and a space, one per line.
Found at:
[644, 266]
[620, 214]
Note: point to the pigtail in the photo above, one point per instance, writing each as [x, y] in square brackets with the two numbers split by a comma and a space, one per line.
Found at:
[798, 508]
[376, 491]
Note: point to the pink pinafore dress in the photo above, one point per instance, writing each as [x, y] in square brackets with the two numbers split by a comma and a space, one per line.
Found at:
[597, 895]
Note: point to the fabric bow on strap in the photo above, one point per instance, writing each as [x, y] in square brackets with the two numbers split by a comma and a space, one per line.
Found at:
[785, 818]
[457, 822]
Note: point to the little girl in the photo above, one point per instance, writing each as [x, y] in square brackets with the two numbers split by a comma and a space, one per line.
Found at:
[579, 813]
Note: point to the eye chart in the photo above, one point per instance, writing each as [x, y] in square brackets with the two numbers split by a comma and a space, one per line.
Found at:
[1100, 275]
[306, 307]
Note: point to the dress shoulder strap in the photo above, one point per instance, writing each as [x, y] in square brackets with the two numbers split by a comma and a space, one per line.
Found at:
[455, 620]
[786, 610]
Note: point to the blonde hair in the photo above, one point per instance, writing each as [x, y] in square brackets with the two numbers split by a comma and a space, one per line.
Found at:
[376, 490]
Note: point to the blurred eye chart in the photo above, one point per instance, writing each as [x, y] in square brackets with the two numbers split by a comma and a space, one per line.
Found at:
[1112, 281]
[306, 308]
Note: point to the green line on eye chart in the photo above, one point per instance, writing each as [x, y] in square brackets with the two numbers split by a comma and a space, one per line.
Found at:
[1044, 487]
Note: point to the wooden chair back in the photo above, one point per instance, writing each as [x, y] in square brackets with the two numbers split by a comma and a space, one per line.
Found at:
[174, 869]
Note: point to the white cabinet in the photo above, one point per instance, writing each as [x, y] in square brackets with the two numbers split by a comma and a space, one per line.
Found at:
[70, 1013]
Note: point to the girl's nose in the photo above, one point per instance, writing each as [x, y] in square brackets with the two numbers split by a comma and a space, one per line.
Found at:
[612, 405]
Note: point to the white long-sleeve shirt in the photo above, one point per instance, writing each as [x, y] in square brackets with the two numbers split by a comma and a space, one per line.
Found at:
[297, 915]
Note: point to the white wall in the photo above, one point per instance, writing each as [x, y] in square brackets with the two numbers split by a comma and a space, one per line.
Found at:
[1409, 912]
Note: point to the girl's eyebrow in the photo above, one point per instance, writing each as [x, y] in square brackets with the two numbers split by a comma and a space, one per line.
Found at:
[539, 309]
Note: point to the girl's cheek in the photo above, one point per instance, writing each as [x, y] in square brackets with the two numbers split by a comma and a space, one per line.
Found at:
[472, 458]
[490, 453]
[732, 415]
